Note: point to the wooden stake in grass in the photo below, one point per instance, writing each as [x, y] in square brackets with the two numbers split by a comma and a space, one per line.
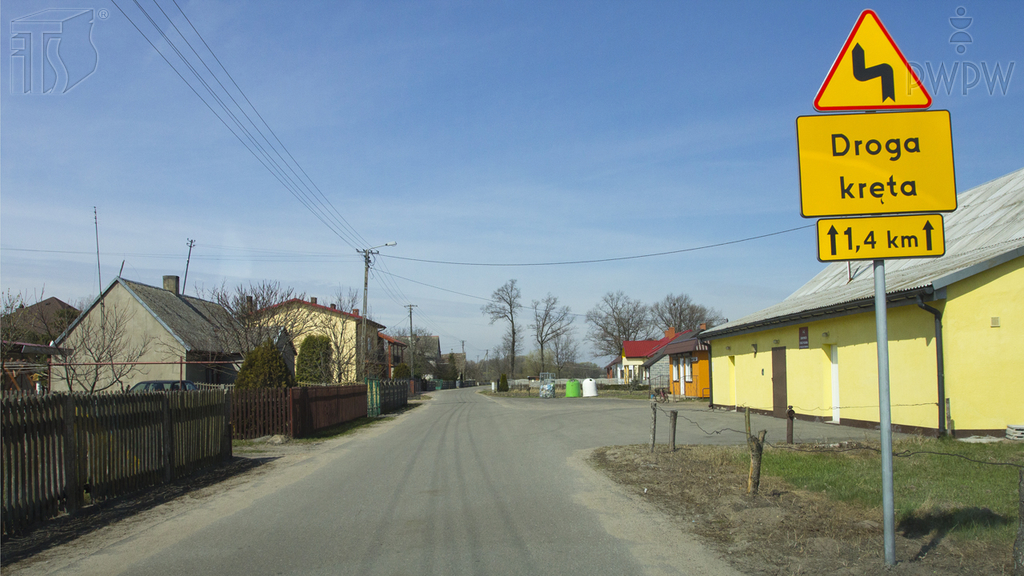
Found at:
[654, 422]
[672, 426]
[1018, 545]
[756, 444]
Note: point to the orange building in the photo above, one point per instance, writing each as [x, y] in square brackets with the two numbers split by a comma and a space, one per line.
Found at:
[683, 366]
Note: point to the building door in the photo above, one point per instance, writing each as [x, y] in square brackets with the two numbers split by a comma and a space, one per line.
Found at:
[675, 376]
[779, 400]
[690, 381]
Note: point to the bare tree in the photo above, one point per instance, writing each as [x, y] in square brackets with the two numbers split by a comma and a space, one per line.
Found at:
[102, 353]
[564, 351]
[505, 304]
[550, 321]
[11, 330]
[425, 364]
[681, 313]
[347, 300]
[250, 324]
[507, 349]
[343, 351]
[615, 319]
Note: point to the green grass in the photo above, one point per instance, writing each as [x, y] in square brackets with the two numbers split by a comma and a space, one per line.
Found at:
[932, 492]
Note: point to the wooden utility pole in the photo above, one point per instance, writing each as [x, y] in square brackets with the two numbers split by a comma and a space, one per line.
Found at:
[362, 341]
[412, 344]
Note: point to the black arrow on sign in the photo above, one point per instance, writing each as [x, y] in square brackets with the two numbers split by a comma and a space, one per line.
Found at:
[928, 234]
[883, 71]
[832, 232]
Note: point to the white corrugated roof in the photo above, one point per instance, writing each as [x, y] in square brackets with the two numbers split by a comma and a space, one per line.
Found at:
[986, 229]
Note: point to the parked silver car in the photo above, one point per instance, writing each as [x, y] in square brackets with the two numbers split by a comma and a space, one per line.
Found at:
[163, 386]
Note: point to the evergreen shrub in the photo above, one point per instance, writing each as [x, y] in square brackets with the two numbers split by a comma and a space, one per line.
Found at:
[264, 368]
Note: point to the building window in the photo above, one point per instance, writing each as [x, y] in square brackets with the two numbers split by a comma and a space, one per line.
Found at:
[688, 368]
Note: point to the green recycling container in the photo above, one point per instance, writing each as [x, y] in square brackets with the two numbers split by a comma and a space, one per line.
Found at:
[573, 389]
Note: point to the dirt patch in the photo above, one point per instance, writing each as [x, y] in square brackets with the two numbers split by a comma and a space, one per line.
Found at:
[782, 530]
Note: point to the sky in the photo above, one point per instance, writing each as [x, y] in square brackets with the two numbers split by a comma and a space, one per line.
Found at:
[490, 140]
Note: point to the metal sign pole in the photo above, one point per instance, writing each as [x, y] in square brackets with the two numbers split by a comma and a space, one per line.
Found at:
[884, 413]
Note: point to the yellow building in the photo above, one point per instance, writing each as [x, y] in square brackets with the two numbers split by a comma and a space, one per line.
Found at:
[302, 319]
[956, 325]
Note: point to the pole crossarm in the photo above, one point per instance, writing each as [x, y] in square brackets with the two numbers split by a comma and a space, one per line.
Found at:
[362, 341]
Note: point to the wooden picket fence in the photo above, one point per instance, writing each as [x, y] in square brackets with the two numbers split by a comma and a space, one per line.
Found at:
[295, 412]
[259, 412]
[61, 451]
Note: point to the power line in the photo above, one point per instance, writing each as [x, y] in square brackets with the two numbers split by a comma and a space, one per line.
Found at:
[600, 260]
[437, 287]
[320, 206]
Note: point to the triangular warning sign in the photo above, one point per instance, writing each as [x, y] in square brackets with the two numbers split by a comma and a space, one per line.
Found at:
[871, 73]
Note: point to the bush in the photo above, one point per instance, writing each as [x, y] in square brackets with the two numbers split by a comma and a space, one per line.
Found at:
[503, 384]
[401, 371]
[314, 361]
[264, 368]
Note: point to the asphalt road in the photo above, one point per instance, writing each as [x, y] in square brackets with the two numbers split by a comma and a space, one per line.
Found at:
[465, 484]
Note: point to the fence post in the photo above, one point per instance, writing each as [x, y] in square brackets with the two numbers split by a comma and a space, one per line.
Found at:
[654, 421]
[790, 415]
[1018, 545]
[72, 490]
[756, 445]
[225, 450]
[292, 424]
[672, 425]
[168, 440]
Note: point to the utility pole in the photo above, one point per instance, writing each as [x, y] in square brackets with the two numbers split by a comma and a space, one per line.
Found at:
[363, 341]
[191, 243]
[463, 360]
[412, 344]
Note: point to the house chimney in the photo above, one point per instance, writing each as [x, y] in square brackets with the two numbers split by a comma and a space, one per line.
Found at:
[355, 311]
[312, 299]
[171, 284]
[703, 326]
[334, 306]
[670, 333]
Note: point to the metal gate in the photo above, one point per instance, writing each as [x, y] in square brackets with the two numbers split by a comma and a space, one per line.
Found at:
[372, 397]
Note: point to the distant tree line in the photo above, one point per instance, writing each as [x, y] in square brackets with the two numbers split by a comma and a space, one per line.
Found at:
[615, 319]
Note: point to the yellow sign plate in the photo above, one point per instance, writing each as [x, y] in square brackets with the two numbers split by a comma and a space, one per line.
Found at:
[886, 163]
[881, 237]
[871, 73]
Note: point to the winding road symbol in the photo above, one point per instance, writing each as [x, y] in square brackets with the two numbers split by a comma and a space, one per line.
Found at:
[883, 71]
[877, 65]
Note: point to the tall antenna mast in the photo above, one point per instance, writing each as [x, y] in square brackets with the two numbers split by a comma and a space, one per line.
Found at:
[191, 243]
[96, 223]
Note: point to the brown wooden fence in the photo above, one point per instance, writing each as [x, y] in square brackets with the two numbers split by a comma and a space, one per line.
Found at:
[295, 412]
[259, 412]
[314, 408]
[59, 449]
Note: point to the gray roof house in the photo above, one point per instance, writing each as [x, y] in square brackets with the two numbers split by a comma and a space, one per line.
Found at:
[135, 332]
